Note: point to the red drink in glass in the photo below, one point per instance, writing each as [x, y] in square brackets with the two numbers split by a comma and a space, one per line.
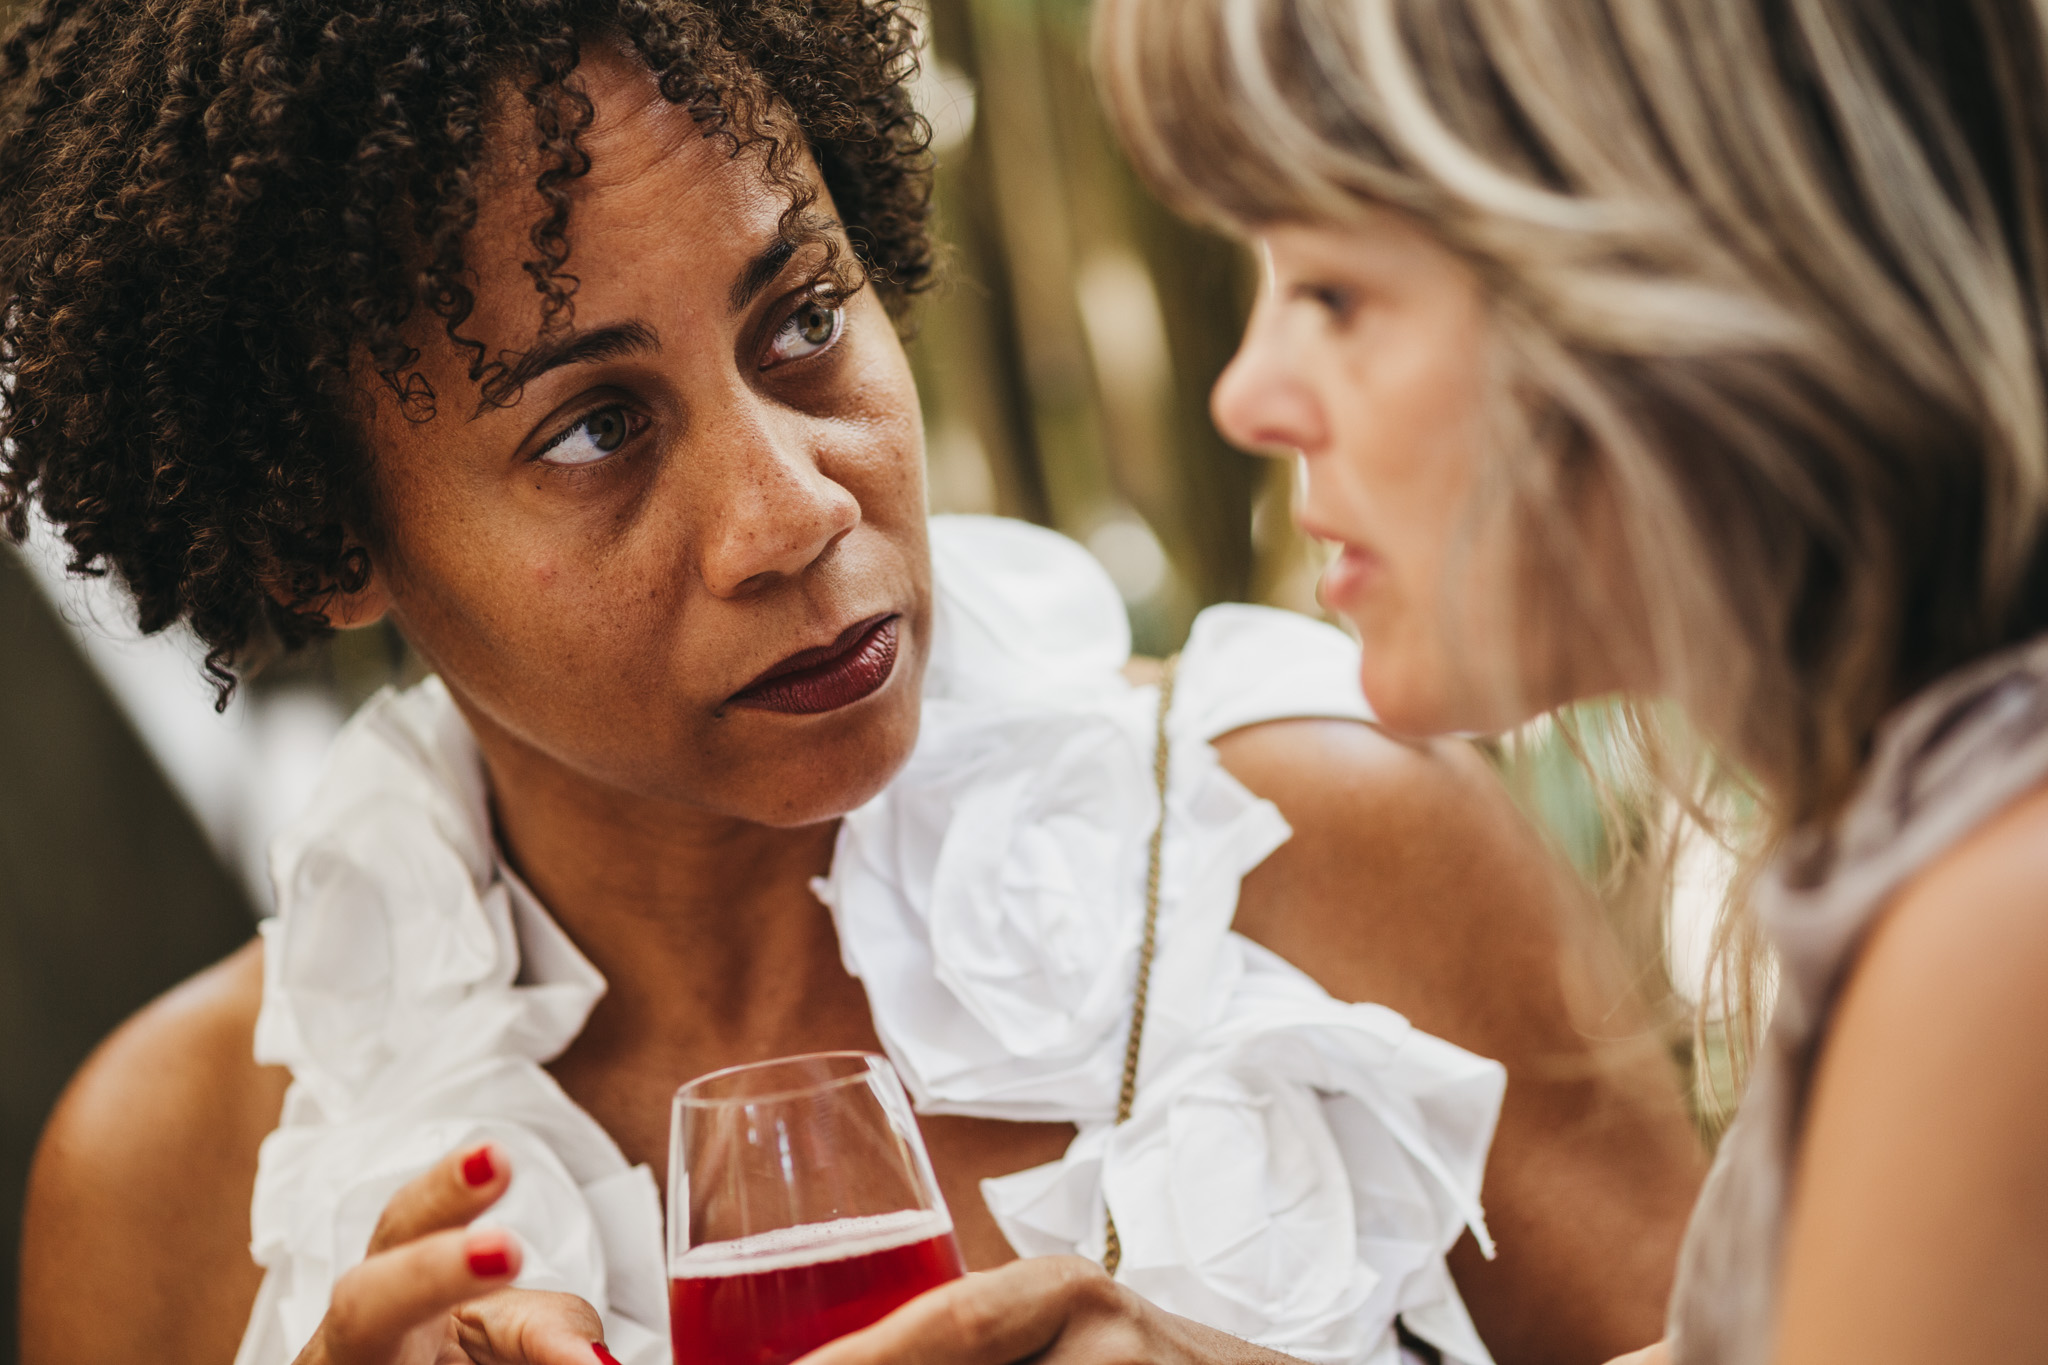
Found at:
[769, 1298]
[802, 1206]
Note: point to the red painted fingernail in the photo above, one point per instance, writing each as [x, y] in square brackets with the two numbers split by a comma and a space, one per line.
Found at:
[477, 1168]
[597, 1349]
[488, 1265]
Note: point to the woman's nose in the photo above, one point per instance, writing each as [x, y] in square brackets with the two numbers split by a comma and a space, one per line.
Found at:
[1263, 401]
[778, 515]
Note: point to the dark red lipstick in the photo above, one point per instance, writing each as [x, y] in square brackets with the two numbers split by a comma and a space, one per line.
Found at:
[828, 677]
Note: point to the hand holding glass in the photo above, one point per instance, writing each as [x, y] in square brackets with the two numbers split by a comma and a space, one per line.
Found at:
[801, 1207]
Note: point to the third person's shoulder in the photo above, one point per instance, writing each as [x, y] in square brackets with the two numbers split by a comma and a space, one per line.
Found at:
[1411, 879]
[1383, 824]
[135, 1238]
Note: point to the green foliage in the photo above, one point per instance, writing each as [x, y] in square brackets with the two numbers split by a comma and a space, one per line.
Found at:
[1066, 363]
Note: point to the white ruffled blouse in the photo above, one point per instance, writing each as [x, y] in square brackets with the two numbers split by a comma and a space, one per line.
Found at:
[1295, 1168]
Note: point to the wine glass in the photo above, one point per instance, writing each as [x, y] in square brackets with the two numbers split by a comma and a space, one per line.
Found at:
[801, 1207]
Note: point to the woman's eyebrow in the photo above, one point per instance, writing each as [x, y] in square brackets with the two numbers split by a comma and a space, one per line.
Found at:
[580, 348]
[761, 272]
[809, 227]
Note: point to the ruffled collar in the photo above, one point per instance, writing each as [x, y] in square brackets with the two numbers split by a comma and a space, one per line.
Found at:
[462, 964]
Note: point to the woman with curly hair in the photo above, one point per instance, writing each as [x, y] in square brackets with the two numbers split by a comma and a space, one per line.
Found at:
[562, 335]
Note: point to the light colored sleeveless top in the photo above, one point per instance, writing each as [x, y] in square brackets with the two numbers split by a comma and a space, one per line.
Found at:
[1294, 1171]
[1945, 764]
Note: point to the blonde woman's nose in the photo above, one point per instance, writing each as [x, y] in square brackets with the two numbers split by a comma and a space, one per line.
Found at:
[1263, 402]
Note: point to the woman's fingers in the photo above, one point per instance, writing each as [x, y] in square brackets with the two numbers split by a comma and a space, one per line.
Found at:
[378, 1305]
[431, 1286]
[1054, 1310]
[531, 1327]
[451, 1193]
[989, 1319]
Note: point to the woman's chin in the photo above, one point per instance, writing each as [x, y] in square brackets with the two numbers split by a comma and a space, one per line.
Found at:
[825, 776]
[814, 806]
[1422, 704]
[1406, 716]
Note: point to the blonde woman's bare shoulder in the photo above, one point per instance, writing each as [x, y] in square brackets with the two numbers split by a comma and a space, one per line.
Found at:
[1968, 935]
[1920, 1227]
[2001, 870]
[135, 1236]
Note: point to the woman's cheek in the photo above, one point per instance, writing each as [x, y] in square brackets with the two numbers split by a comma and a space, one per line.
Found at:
[889, 466]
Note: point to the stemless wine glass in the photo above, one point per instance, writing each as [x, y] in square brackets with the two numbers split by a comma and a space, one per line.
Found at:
[801, 1207]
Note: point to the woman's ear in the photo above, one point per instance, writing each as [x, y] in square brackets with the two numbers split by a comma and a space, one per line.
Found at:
[366, 606]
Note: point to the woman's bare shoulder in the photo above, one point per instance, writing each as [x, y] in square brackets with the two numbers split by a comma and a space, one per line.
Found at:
[1964, 945]
[1920, 1222]
[1410, 872]
[135, 1237]
[1999, 871]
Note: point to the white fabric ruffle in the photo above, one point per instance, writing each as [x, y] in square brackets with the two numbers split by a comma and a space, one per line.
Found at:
[1296, 1167]
[415, 987]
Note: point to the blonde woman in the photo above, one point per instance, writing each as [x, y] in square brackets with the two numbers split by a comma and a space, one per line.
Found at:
[1687, 349]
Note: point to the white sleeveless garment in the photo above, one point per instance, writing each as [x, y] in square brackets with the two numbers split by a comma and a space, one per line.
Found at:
[1296, 1167]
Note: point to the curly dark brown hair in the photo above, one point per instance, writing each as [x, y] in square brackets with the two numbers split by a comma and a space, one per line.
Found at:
[211, 209]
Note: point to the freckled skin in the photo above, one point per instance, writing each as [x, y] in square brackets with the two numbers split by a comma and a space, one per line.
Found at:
[592, 621]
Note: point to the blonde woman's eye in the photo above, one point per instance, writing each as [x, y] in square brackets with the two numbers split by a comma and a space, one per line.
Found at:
[813, 327]
[1339, 302]
[591, 439]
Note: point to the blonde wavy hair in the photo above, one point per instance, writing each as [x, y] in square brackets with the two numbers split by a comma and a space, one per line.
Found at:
[1769, 275]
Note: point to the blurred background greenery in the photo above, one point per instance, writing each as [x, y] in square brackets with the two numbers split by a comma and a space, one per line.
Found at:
[1065, 363]
[1067, 358]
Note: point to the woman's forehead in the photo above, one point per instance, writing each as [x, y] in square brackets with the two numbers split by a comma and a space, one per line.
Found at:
[660, 205]
[636, 142]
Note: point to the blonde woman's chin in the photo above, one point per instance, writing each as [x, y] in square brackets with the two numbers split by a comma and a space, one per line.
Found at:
[1416, 693]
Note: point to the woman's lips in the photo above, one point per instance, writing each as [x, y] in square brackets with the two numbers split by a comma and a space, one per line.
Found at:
[1349, 576]
[840, 674]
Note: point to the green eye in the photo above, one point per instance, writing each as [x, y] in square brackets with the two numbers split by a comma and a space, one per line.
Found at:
[815, 323]
[591, 439]
[813, 327]
[607, 429]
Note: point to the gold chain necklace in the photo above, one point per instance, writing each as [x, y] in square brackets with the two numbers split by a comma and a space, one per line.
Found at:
[1112, 1247]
